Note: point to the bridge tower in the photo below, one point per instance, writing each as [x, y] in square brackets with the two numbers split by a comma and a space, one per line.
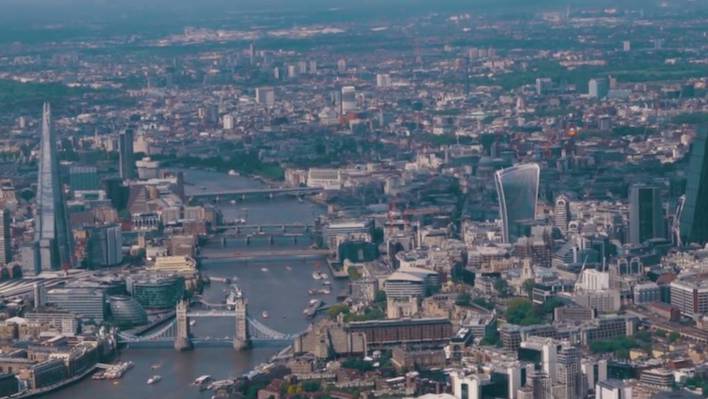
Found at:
[242, 339]
[183, 340]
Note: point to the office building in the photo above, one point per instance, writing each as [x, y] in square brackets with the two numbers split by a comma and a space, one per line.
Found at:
[9, 385]
[543, 85]
[265, 96]
[104, 245]
[52, 233]
[517, 192]
[646, 216]
[84, 178]
[542, 385]
[569, 372]
[690, 294]
[383, 80]
[694, 217]
[87, 303]
[126, 163]
[5, 238]
[348, 101]
[547, 349]
[598, 88]
[613, 389]
[155, 291]
[227, 122]
[646, 293]
[561, 213]
[126, 311]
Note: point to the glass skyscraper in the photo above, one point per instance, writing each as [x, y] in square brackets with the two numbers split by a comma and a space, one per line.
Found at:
[52, 233]
[646, 216]
[694, 216]
[517, 191]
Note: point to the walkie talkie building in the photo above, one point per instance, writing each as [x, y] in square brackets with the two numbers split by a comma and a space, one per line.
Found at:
[517, 191]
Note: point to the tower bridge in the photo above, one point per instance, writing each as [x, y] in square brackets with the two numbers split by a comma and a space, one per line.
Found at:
[247, 330]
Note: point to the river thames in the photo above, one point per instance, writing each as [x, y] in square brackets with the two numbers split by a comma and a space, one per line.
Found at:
[277, 285]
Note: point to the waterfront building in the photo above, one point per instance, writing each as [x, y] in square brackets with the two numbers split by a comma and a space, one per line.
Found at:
[47, 373]
[126, 311]
[327, 179]
[613, 389]
[88, 303]
[155, 291]
[54, 321]
[694, 217]
[517, 192]
[52, 233]
[175, 264]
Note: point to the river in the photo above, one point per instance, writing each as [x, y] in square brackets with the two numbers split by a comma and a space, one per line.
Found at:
[276, 284]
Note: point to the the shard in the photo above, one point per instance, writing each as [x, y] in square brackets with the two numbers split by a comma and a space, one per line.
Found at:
[52, 233]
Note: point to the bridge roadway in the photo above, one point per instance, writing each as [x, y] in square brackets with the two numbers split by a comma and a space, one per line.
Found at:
[255, 191]
[270, 253]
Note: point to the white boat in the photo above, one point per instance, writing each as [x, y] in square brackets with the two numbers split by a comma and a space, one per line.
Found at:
[264, 269]
[264, 314]
[192, 323]
[233, 172]
[288, 268]
[232, 202]
[203, 379]
[316, 275]
[154, 379]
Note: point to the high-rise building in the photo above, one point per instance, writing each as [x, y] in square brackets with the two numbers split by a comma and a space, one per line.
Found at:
[348, 99]
[541, 384]
[613, 389]
[5, 238]
[383, 80]
[265, 96]
[517, 191]
[646, 218]
[103, 247]
[569, 373]
[694, 216]
[598, 88]
[52, 233]
[561, 213]
[125, 148]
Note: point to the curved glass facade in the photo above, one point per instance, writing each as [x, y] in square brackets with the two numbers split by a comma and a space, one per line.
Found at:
[158, 292]
[517, 190]
[126, 311]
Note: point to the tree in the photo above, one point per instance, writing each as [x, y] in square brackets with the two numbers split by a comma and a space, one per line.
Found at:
[521, 311]
[336, 309]
[463, 299]
[527, 286]
[501, 286]
[674, 336]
